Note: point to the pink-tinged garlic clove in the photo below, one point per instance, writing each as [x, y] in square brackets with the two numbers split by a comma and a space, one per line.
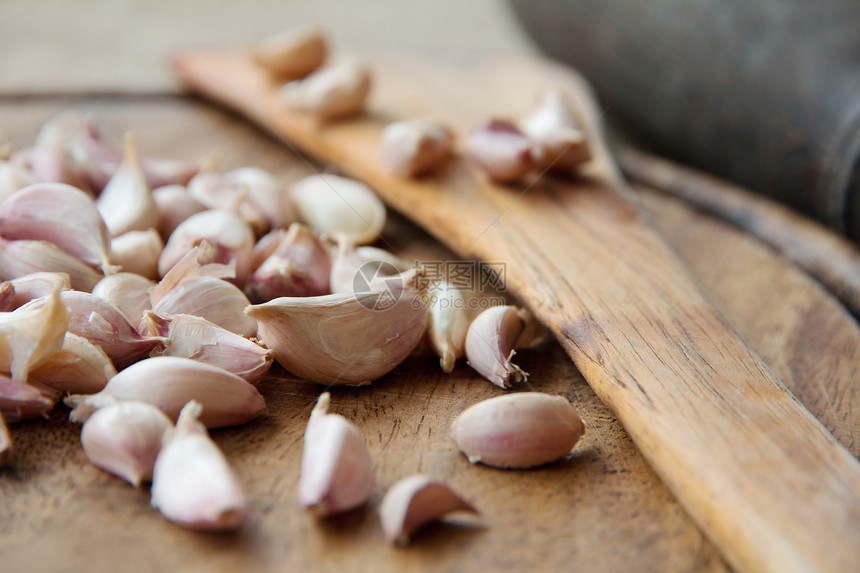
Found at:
[293, 54]
[197, 262]
[192, 483]
[168, 383]
[20, 258]
[59, 214]
[351, 263]
[415, 501]
[12, 178]
[20, 401]
[49, 164]
[266, 246]
[124, 439]
[126, 203]
[215, 300]
[164, 172]
[299, 266]
[337, 472]
[37, 285]
[79, 367]
[197, 338]
[447, 323]
[232, 238]
[174, 204]
[338, 206]
[558, 142]
[490, 344]
[30, 336]
[501, 150]
[519, 430]
[137, 252]
[129, 293]
[334, 92]
[415, 147]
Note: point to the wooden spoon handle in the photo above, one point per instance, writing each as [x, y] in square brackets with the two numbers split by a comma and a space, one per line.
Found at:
[770, 486]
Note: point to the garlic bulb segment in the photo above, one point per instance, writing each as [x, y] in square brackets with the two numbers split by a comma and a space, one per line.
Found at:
[126, 203]
[338, 206]
[415, 147]
[215, 300]
[197, 262]
[20, 258]
[29, 336]
[447, 323]
[37, 285]
[79, 367]
[174, 204]
[351, 264]
[558, 142]
[20, 401]
[12, 178]
[299, 266]
[333, 92]
[292, 54]
[137, 252]
[127, 292]
[501, 150]
[490, 344]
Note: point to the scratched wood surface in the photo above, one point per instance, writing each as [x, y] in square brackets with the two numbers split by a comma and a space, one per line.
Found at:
[603, 509]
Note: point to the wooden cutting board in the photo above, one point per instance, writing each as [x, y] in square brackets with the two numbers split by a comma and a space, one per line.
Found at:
[602, 510]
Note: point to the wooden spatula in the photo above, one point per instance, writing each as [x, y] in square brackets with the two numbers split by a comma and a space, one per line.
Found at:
[762, 477]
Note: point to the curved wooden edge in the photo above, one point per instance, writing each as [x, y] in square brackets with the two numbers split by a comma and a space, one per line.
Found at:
[828, 257]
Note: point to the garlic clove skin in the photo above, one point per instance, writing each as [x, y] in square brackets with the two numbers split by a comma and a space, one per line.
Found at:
[30, 336]
[78, 367]
[293, 54]
[59, 214]
[215, 300]
[37, 285]
[169, 382]
[349, 259]
[20, 401]
[232, 238]
[340, 339]
[126, 203]
[415, 501]
[520, 430]
[192, 483]
[266, 193]
[501, 150]
[128, 293]
[490, 344]
[447, 323]
[415, 147]
[337, 91]
[299, 266]
[559, 143]
[197, 338]
[20, 258]
[197, 262]
[338, 206]
[174, 204]
[137, 252]
[12, 178]
[124, 439]
[337, 472]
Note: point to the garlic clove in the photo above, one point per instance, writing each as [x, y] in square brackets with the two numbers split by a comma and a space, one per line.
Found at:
[197, 338]
[299, 266]
[232, 238]
[293, 54]
[415, 147]
[559, 143]
[30, 336]
[128, 293]
[337, 91]
[126, 203]
[415, 501]
[37, 285]
[192, 483]
[124, 439]
[266, 246]
[137, 252]
[215, 300]
[501, 150]
[335, 206]
[12, 178]
[164, 172]
[447, 323]
[519, 430]
[347, 339]
[49, 164]
[490, 344]
[5, 443]
[350, 259]
[78, 367]
[174, 204]
[197, 262]
[20, 401]
[20, 258]
[63, 129]
[266, 193]
[59, 214]
[169, 382]
[337, 472]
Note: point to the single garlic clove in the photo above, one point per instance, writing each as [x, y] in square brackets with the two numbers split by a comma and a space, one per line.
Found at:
[59, 214]
[137, 252]
[333, 92]
[101, 323]
[198, 262]
[164, 172]
[232, 237]
[12, 178]
[266, 246]
[347, 339]
[336, 206]
[293, 54]
[215, 300]
[79, 367]
[124, 439]
[63, 129]
[20, 258]
[337, 472]
[415, 147]
[519, 430]
[20, 401]
[299, 266]
[37, 285]
[192, 483]
[49, 164]
[126, 203]
[351, 264]
[447, 323]
[559, 143]
[168, 383]
[490, 344]
[266, 193]
[415, 501]
[197, 338]
[174, 204]
[128, 293]
[5, 443]
[501, 150]
[30, 336]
